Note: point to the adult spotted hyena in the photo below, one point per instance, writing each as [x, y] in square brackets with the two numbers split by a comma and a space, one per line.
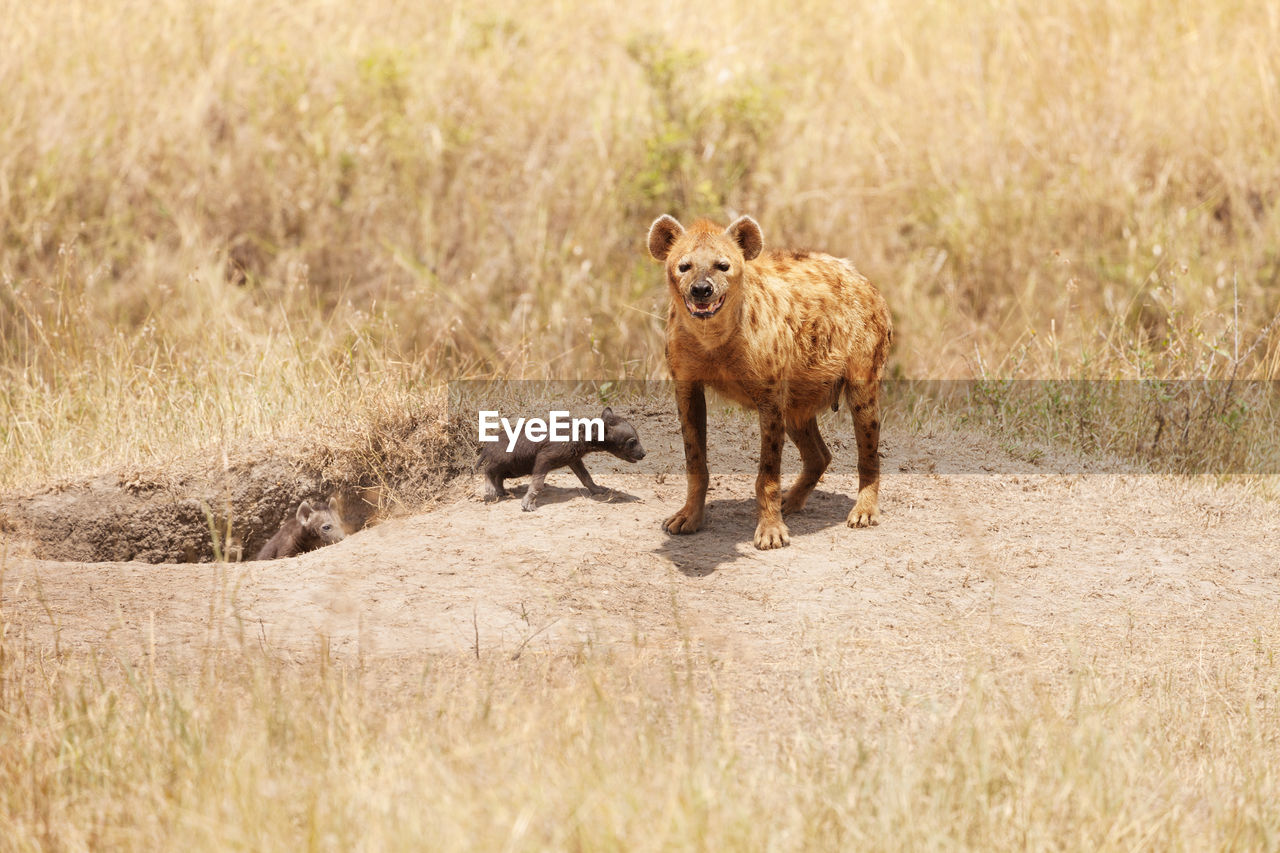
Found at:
[781, 332]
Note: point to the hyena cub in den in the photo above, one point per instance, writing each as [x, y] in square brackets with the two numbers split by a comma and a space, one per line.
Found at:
[540, 457]
[313, 526]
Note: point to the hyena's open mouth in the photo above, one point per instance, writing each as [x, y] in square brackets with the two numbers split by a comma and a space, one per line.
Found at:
[704, 310]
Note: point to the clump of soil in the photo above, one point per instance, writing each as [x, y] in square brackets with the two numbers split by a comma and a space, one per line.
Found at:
[195, 510]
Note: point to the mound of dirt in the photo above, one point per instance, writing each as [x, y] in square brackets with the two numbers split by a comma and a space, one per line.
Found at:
[976, 556]
[194, 510]
[111, 518]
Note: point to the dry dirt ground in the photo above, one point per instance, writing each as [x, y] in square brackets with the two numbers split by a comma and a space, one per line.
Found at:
[1036, 566]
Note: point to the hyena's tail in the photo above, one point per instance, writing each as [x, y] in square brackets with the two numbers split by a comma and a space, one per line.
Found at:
[835, 394]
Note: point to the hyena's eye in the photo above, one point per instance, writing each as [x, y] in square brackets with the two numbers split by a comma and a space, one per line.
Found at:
[685, 266]
[723, 266]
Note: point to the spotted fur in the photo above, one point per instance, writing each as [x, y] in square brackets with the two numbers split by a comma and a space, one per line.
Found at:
[785, 333]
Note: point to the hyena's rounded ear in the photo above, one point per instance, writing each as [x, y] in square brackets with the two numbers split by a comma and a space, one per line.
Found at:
[663, 234]
[745, 231]
[304, 512]
[607, 414]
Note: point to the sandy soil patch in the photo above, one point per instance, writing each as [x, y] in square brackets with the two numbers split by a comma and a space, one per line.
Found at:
[1037, 569]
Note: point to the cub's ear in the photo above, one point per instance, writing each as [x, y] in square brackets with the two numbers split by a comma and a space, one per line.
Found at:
[745, 231]
[304, 512]
[607, 414]
[663, 234]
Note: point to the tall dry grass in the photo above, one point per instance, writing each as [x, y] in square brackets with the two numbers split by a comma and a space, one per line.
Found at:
[634, 749]
[215, 215]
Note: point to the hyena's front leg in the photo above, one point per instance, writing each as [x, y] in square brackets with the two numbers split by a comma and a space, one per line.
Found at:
[691, 403]
[541, 466]
[864, 403]
[584, 477]
[771, 532]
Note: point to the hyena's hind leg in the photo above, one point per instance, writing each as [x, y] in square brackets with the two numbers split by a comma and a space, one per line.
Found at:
[863, 397]
[815, 458]
[493, 486]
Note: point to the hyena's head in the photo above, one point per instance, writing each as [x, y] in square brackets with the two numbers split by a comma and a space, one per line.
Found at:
[620, 437]
[319, 520]
[705, 263]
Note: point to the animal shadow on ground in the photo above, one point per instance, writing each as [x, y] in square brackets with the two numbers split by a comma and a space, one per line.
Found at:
[562, 494]
[729, 527]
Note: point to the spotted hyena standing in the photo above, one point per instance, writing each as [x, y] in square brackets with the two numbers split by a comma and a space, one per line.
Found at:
[781, 332]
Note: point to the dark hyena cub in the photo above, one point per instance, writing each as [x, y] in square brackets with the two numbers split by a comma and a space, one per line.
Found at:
[313, 526]
[540, 457]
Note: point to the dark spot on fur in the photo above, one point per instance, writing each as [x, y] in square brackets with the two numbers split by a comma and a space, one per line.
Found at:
[881, 351]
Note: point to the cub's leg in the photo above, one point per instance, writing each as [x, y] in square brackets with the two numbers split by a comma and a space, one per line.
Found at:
[541, 466]
[493, 488]
[771, 532]
[691, 403]
[864, 403]
[578, 468]
[815, 457]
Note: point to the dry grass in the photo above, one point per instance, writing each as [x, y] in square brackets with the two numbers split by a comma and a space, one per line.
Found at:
[638, 749]
[214, 217]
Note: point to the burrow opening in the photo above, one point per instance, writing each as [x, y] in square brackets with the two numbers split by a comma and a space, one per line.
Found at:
[199, 511]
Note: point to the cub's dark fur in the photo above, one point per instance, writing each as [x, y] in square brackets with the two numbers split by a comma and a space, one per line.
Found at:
[313, 526]
[539, 457]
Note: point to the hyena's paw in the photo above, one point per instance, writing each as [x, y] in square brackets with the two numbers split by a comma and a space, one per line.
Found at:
[865, 513]
[793, 499]
[600, 490]
[687, 520]
[529, 504]
[492, 492]
[772, 534]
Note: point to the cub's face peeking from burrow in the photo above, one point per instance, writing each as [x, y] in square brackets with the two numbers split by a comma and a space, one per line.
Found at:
[319, 520]
[704, 263]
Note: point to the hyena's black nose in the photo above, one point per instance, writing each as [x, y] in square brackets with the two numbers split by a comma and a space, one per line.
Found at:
[701, 290]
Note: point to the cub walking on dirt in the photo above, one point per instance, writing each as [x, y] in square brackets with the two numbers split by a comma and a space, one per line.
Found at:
[539, 458]
[784, 333]
[313, 526]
